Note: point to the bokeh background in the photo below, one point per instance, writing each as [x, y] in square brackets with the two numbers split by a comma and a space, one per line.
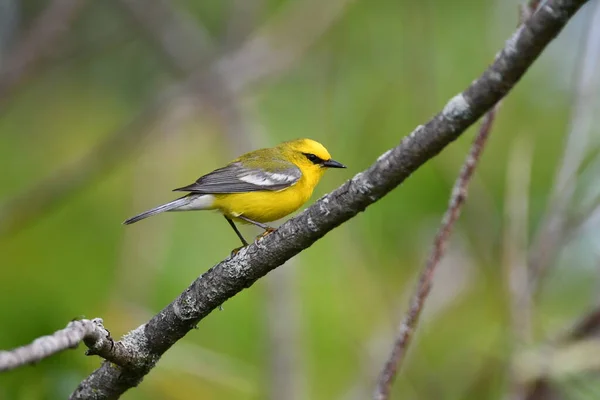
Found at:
[130, 99]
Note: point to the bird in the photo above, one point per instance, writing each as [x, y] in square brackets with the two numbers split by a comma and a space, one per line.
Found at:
[261, 186]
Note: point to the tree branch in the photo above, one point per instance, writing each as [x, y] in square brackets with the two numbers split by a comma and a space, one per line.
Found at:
[236, 273]
[91, 332]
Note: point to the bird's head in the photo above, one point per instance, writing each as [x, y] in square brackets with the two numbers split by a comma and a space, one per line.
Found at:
[310, 155]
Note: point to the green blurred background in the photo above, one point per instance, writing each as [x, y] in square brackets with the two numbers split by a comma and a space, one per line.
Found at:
[320, 326]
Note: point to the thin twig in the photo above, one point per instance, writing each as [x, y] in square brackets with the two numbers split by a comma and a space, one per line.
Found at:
[91, 332]
[411, 319]
[37, 44]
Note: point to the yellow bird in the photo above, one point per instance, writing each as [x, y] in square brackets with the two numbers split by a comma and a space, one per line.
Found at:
[257, 187]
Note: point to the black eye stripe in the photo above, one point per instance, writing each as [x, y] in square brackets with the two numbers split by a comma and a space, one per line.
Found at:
[312, 158]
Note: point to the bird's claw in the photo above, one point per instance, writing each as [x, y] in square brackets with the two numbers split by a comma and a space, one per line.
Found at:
[267, 232]
[236, 250]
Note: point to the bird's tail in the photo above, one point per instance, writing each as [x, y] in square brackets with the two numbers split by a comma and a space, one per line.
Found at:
[182, 201]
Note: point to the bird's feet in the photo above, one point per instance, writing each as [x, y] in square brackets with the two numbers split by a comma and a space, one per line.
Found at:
[236, 250]
[268, 231]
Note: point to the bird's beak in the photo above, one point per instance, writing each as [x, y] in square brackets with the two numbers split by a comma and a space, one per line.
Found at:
[332, 164]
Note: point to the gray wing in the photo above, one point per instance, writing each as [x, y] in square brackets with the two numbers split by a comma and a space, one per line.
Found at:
[236, 178]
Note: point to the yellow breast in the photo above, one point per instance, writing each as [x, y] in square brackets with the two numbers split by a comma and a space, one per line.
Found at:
[264, 206]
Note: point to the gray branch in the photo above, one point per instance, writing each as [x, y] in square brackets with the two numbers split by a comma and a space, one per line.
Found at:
[91, 332]
[147, 343]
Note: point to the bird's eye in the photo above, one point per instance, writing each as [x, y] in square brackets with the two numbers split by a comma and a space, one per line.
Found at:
[312, 158]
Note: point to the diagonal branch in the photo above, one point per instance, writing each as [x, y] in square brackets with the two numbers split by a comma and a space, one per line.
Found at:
[236, 273]
[92, 332]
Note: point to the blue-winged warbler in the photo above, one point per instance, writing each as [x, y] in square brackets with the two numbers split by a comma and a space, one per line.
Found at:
[257, 187]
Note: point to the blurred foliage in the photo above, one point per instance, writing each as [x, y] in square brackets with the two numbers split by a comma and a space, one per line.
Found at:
[384, 67]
